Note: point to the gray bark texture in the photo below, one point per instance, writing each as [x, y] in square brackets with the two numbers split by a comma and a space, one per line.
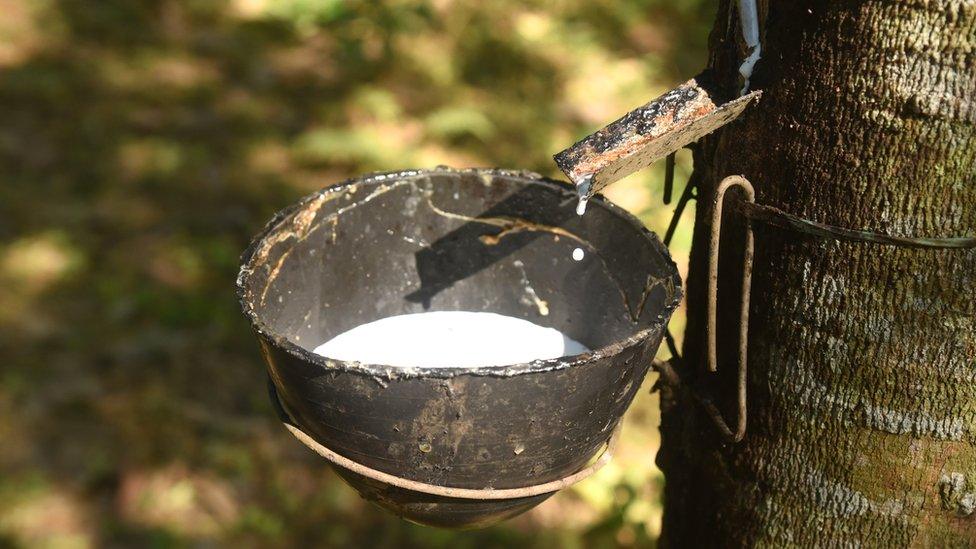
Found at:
[862, 366]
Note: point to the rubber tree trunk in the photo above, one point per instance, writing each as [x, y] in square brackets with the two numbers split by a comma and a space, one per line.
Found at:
[862, 367]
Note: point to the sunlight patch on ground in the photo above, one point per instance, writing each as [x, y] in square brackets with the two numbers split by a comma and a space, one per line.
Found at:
[38, 515]
[29, 267]
[178, 500]
[36, 262]
[20, 32]
[533, 26]
[249, 9]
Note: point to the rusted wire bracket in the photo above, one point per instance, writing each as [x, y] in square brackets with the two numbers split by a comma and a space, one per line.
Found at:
[711, 304]
[665, 369]
[777, 218]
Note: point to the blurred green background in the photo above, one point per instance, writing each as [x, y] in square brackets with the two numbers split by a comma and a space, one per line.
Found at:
[142, 143]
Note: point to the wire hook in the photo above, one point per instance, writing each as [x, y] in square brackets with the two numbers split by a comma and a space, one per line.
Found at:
[711, 328]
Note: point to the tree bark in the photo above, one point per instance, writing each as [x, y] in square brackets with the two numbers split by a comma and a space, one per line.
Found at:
[862, 367]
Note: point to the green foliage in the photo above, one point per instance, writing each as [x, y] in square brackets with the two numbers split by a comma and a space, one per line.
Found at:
[308, 13]
[144, 142]
[453, 123]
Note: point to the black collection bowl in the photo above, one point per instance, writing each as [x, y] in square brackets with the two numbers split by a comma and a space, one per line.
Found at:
[444, 240]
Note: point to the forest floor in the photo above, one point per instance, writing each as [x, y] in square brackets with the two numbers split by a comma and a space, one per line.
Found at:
[142, 144]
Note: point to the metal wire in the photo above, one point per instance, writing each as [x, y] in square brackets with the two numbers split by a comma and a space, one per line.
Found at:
[779, 218]
[679, 208]
[668, 178]
[446, 491]
[672, 346]
[711, 302]
[459, 493]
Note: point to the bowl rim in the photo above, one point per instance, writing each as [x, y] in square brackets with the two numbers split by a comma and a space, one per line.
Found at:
[380, 371]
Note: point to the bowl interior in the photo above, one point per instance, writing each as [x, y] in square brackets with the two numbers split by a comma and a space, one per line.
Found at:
[448, 240]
